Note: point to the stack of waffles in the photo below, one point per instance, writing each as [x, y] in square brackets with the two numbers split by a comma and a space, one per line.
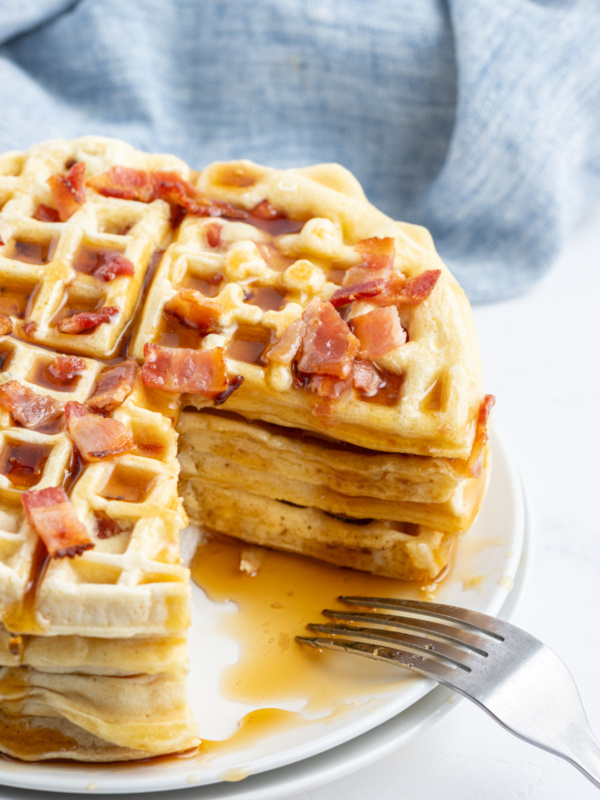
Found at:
[313, 362]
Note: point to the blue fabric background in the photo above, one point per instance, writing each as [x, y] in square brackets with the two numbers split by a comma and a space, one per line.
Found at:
[477, 118]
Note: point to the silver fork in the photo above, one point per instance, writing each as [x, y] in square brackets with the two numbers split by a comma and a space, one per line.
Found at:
[510, 674]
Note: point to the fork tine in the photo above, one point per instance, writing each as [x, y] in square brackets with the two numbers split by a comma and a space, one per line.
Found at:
[481, 623]
[427, 667]
[472, 641]
[446, 653]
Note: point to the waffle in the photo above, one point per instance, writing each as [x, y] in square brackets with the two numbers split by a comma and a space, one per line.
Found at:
[191, 286]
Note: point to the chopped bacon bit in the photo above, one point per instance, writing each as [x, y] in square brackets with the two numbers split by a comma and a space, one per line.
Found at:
[285, 350]
[264, 210]
[114, 386]
[1, 242]
[328, 346]
[475, 461]
[109, 527]
[6, 325]
[411, 291]
[111, 265]
[52, 516]
[68, 190]
[96, 437]
[29, 328]
[139, 184]
[65, 368]
[27, 407]
[366, 379]
[234, 383]
[378, 332]
[213, 234]
[186, 370]
[377, 253]
[328, 386]
[46, 214]
[87, 320]
[358, 291]
[194, 309]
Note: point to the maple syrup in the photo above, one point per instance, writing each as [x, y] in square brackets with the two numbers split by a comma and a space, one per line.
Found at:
[268, 298]
[88, 255]
[274, 257]
[21, 618]
[389, 392]
[175, 334]
[209, 287]
[275, 605]
[249, 345]
[76, 302]
[124, 483]
[32, 252]
[17, 301]
[277, 227]
[23, 462]
[236, 176]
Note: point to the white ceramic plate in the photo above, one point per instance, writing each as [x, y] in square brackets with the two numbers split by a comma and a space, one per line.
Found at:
[352, 737]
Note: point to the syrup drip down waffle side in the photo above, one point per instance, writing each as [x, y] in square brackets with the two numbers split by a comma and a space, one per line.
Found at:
[328, 366]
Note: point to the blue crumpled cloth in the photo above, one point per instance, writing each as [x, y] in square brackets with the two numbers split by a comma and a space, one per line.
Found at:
[477, 118]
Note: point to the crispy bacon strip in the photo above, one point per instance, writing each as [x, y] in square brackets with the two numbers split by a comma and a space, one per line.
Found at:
[185, 370]
[194, 309]
[6, 325]
[328, 386]
[65, 368]
[377, 252]
[264, 210]
[328, 346]
[145, 186]
[96, 437]
[27, 407]
[359, 291]
[46, 214]
[68, 190]
[114, 386]
[366, 379]
[51, 515]
[112, 265]
[410, 291]
[285, 350]
[379, 332]
[475, 461]
[87, 320]
[213, 234]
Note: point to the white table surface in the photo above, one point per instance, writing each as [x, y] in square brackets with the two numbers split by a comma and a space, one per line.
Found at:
[541, 355]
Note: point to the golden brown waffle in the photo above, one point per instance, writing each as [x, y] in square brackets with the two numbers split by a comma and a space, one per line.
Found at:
[99, 274]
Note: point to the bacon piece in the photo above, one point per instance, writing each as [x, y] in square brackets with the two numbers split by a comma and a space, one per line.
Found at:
[213, 234]
[109, 527]
[264, 210]
[194, 309]
[328, 386]
[29, 327]
[114, 386]
[6, 325]
[328, 346]
[112, 265]
[1, 242]
[285, 350]
[27, 407]
[65, 368]
[46, 214]
[410, 291]
[366, 379]
[68, 190]
[359, 291]
[96, 437]
[377, 252]
[52, 516]
[185, 370]
[145, 186]
[87, 320]
[379, 331]
[475, 461]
